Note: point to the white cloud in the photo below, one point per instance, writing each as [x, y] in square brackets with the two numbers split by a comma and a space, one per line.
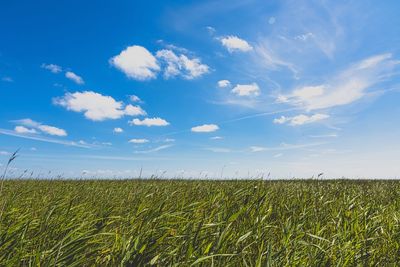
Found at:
[51, 67]
[118, 130]
[181, 65]
[134, 110]
[51, 130]
[304, 37]
[138, 141]
[169, 140]
[234, 43]
[216, 138]
[283, 146]
[281, 99]
[137, 63]
[211, 30]
[205, 128]
[154, 149]
[149, 122]
[218, 149]
[281, 120]
[271, 60]
[24, 130]
[28, 122]
[97, 107]
[300, 119]
[35, 126]
[348, 86]
[4, 153]
[43, 139]
[333, 135]
[223, 83]
[246, 90]
[258, 148]
[134, 98]
[278, 155]
[73, 77]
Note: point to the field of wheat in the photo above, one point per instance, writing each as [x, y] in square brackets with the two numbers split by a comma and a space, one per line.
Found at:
[192, 222]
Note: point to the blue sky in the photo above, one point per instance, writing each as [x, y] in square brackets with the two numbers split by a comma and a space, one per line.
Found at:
[201, 88]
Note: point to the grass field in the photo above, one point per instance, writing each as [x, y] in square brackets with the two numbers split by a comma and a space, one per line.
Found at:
[183, 223]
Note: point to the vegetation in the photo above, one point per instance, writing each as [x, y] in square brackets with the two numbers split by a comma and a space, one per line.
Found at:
[183, 223]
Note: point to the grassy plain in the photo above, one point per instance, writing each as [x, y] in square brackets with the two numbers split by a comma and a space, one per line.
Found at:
[203, 223]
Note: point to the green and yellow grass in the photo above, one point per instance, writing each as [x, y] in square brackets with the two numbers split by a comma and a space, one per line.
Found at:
[183, 223]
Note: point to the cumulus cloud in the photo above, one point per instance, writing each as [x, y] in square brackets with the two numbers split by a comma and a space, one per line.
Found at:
[234, 44]
[97, 107]
[24, 130]
[134, 110]
[74, 77]
[223, 83]
[140, 64]
[205, 128]
[51, 67]
[182, 65]
[118, 130]
[51, 130]
[348, 86]
[149, 122]
[138, 141]
[300, 119]
[35, 127]
[137, 63]
[246, 90]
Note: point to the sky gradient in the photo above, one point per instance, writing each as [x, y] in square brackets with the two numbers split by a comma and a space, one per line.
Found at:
[209, 89]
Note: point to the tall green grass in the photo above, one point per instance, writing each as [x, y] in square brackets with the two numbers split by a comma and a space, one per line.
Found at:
[201, 223]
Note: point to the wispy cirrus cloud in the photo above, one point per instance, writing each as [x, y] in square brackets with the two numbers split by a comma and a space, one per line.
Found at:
[284, 146]
[138, 141]
[348, 86]
[44, 139]
[152, 150]
[218, 149]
